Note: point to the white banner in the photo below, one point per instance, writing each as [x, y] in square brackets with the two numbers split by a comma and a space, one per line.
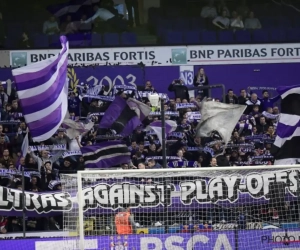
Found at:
[167, 56]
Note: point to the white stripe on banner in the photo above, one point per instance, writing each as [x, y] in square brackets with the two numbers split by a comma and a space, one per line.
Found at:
[291, 91]
[289, 120]
[280, 141]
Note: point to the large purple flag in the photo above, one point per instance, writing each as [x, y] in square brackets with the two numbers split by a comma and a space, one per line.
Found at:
[105, 154]
[286, 146]
[124, 116]
[42, 89]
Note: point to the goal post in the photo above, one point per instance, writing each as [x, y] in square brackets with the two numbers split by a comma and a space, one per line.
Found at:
[188, 208]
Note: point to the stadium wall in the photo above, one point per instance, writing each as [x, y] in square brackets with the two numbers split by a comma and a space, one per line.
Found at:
[260, 239]
[233, 76]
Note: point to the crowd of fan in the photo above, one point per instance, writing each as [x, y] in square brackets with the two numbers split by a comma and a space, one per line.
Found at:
[250, 144]
[222, 18]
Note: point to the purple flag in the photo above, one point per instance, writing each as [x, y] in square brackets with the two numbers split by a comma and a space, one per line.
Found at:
[285, 148]
[124, 116]
[105, 154]
[42, 89]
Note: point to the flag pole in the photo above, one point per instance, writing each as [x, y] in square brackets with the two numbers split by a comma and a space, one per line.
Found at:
[23, 204]
[164, 155]
[163, 132]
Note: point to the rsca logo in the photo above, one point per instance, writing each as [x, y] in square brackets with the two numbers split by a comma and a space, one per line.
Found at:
[18, 59]
[179, 56]
[187, 74]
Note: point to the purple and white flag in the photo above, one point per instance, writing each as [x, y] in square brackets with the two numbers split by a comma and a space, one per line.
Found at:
[42, 89]
[105, 154]
[157, 128]
[286, 146]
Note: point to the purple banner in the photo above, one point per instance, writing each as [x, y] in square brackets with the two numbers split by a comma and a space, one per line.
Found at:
[223, 240]
[161, 77]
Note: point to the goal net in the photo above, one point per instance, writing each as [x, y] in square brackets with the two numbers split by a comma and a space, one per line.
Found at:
[163, 209]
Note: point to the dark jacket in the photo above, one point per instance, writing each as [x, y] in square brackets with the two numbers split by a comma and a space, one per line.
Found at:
[204, 83]
[181, 91]
[233, 101]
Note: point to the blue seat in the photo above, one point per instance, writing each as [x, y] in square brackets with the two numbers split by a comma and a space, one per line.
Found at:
[96, 40]
[260, 36]
[128, 38]
[293, 35]
[54, 41]
[173, 37]
[111, 39]
[76, 40]
[278, 35]
[268, 22]
[243, 36]
[284, 22]
[209, 37]
[191, 37]
[181, 24]
[10, 42]
[197, 24]
[296, 21]
[226, 36]
[41, 41]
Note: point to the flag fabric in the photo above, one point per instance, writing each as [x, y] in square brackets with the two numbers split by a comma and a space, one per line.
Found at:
[124, 116]
[106, 154]
[157, 128]
[25, 146]
[42, 90]
[72, 6]
[286, 146]
[220, 117]
[76, 128]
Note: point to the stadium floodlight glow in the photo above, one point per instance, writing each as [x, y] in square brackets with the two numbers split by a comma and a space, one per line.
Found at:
[154, 99]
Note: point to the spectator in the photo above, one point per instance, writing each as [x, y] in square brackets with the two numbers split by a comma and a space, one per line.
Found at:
[200, 79]
[51, 26]
[84, 27]
[69, 27]
[3, 97]
[252, 22]
[25, 42]
[231, 98]
[262, 126]
[149, 87]
[243, 9]
[181, 91]
[267, 102]
[152, 164]
[109, 18]
[243, 98]
[209, 11]
[222, 22]
[223, 7]
[3, 225]
[251, 102]
[133, 5]
[45, 157]
[213, 162]
[236, 21]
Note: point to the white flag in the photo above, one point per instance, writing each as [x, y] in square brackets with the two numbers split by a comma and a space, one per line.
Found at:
[221, 117]
[157, 128]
